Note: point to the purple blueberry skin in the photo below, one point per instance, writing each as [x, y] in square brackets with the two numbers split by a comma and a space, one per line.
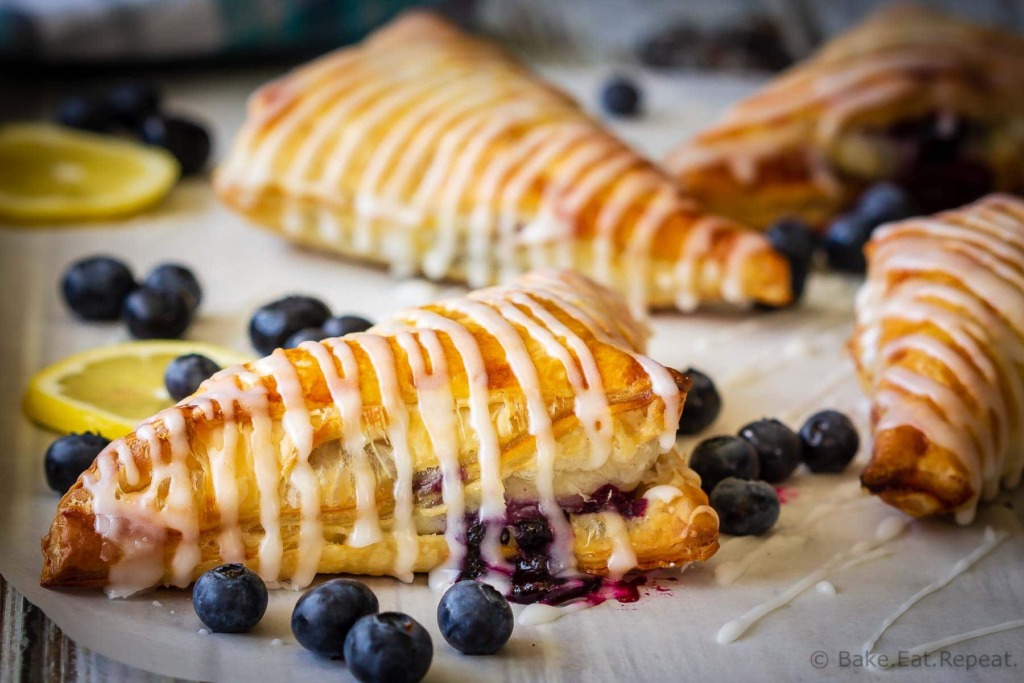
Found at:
[388, 647]
[230, 599]
[829, 441]
[703, 403]
[778, 447]
[187, 140]
[272, 324]
[794, 240]
[719, 457]
[324, 615]
[621, 97]
[95, 288]
[474, 618]
[341, 325]
[156, 314]
[745, 508]
[69, 456]
[185, 373]
[175, 277]
[306, 334]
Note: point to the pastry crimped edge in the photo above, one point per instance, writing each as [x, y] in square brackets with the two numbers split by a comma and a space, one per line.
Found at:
[940, 341]
[521, 180]
[671, 531]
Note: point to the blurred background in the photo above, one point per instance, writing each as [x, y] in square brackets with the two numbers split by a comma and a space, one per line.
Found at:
[747, 35]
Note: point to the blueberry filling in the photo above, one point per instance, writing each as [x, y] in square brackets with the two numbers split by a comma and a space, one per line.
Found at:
[531, 579]
[936, 163]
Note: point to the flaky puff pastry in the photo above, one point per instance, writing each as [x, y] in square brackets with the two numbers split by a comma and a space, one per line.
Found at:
[939, 346]
[913, 95]
[439, 153]
[376, 453]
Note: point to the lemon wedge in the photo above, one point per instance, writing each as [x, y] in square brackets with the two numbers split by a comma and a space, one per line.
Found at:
[111, 389]
[49, 173]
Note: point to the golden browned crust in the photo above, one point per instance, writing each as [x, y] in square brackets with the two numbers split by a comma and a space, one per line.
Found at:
[805, 145]
[473, 182]
[673, 533]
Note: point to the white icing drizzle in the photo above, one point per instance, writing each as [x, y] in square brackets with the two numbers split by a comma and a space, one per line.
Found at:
[623, 557]
[234, 420]
[538, 614]
[991, 541]
[961, 274]
[943, 643]
[864, 551]
[404, 528]
[454, 136]
[826, 587]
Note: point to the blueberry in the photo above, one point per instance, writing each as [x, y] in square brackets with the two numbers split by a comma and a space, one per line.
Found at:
[794, 240]
[719, 457]
[703, 403]
[341, 325]
[620, 97]
[778, 448]
[95, 288]
[156, 314]
[323, 616]
[230, 598]
[745, 508]
[184, 374]
[844, 242]
[389, 647]
[130, 103]
[175, 277]
[69, 456]
[304, 335]
[829, 441]
[85, 113]
[272, 324]
[533, 534]
[474, 618]
[187, 140]
[884, 202]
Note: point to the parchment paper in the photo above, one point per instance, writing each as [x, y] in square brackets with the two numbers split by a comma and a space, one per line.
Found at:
[786, 364]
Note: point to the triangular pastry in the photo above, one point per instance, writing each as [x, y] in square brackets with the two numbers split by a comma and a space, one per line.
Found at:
[926, 99]
[439, 153]
[939, 345]
[427, 443]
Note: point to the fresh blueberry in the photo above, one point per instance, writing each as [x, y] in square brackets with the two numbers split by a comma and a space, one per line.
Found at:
[794, 240]
[323, 616]
[95, 288]
[339, 326]
[474, 618]
[719, 457]
[778, 448]
[829, 441]
[703, 403]
[85, 113]
[175, 277]
[272, 324]
[884, 202]
[156, 314]
[845, 239]
[130, 103]
[388, 647]
[184, 374]
[230, 598]
[621, 97]
[304, 335]
[69, 456]
[745, 508]
[187, 140]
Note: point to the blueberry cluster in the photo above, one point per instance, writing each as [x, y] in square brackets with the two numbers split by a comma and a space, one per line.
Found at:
[288, 322]
[341, 619]
[738, 471]
[135, 109]
[846, 236]
[104, 288]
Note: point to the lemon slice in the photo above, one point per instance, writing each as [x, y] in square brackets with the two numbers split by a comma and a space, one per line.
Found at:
[49, 173]
[111, 389]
